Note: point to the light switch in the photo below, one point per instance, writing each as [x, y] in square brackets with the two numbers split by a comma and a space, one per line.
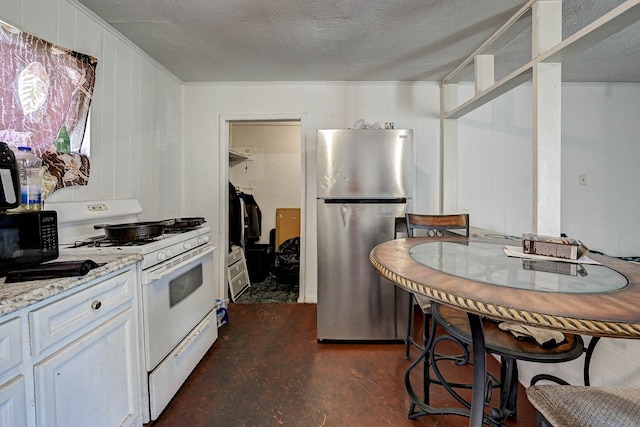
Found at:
[582, 179]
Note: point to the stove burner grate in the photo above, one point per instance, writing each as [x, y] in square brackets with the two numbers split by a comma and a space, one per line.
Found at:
[104, 241]
[179, 230]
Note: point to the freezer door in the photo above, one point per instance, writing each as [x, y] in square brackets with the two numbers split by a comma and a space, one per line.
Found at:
[354, 301]
[365, 163]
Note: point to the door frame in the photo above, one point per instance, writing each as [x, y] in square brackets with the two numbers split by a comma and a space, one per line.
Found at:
[223, 191]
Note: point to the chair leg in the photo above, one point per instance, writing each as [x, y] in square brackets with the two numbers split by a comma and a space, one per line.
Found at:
[587, 359]
[409, 328]
[541, 421]
[428, 339]
[509, 389]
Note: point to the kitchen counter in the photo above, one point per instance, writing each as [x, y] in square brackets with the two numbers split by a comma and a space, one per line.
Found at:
[14, 296]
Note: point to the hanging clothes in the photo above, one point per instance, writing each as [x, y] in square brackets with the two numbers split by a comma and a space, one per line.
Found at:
[235, 217]
[253, 225]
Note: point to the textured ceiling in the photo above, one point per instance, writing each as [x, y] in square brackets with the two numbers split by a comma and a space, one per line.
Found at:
[348, 40]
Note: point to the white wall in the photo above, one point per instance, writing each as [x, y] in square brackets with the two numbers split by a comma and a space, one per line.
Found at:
[136, 112]
[273, 173]
[495, 172]
[319, 105]
[600, 129]
[599, 138]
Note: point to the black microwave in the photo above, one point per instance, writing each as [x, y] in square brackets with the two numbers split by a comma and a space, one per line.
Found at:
[27, 239]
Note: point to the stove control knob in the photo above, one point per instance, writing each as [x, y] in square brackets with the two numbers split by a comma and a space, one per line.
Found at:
[161, 256]
[186, 246]
[169, 253]
[203, 239]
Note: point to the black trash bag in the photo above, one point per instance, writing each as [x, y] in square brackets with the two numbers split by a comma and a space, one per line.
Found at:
[287, 263]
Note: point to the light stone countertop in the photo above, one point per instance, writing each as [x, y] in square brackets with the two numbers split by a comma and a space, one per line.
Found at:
[14, 296]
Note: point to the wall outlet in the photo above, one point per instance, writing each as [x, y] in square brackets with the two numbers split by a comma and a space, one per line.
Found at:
[582, 179]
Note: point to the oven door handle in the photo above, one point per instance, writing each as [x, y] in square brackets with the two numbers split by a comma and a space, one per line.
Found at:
[192, 337]
[177, 263]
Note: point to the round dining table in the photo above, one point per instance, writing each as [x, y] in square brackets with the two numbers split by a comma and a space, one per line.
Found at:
[597, 298]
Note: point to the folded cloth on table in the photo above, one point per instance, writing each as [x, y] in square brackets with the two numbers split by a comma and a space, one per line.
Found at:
[52, 270]
[544, 337]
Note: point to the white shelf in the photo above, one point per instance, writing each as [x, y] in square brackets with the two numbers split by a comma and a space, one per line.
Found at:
[512, 81]
[610, 23]
[607, 25]
[236, 156]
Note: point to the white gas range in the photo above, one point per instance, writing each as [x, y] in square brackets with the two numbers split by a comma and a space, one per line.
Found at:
[177, 291]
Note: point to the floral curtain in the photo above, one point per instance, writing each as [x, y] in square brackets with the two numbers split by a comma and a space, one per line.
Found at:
[43, 87]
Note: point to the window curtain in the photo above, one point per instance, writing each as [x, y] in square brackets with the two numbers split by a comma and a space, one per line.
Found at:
[43, 87]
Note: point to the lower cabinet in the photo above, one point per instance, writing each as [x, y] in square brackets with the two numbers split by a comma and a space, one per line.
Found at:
[91, 382]
[74, 359]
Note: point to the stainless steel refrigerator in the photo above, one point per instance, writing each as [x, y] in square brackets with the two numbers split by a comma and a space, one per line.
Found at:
[365, 180]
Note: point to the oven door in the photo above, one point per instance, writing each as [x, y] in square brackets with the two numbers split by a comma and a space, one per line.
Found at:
[176, 296]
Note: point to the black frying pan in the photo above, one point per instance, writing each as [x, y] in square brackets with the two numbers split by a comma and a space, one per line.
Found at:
[132, 232]
[184, 222]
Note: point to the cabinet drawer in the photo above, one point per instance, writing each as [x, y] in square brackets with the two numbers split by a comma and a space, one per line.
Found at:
[10, 345]
[237, 268]
[238, 283]
[58, 320]
[235, 255]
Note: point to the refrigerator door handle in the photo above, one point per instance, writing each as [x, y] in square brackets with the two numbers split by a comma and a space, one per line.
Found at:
[371, 201]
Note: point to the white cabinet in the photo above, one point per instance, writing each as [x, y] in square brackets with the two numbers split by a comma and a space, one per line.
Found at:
[93, 379]
[75, 358]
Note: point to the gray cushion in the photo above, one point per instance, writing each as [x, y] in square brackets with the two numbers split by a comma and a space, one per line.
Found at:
[578, 406]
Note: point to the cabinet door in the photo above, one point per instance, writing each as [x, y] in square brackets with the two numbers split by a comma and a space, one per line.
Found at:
[12, 403]
[94, 380]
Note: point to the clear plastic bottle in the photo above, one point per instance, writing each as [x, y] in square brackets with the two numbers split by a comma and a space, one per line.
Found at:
[30, 179]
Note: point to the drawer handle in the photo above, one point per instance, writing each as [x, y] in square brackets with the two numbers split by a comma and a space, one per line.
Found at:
[96, 305]
[188, 342]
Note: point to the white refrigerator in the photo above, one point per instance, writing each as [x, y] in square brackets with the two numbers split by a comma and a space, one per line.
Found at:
[365, 180]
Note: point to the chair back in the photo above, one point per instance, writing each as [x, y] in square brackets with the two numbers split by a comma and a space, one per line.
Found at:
[437, 225]
[400, 229]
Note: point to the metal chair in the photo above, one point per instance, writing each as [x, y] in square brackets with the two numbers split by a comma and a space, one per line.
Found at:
[429, 225]
[433, 226]
[582, 406]
[510, 349]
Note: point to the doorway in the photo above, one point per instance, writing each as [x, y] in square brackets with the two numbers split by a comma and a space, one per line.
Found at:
[266, 162]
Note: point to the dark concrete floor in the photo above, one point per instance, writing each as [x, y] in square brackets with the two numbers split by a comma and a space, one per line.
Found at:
[268, 369]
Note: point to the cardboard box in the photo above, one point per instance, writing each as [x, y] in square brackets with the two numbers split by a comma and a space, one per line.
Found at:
[557, 247]
[287, 224]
